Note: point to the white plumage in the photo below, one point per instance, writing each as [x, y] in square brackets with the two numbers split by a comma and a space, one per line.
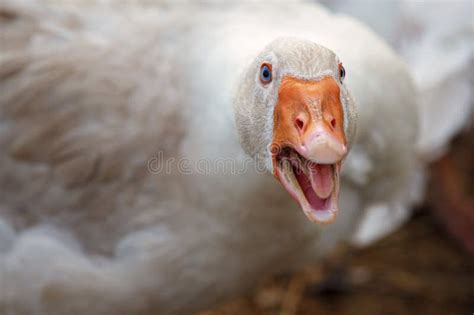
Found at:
[91, 97]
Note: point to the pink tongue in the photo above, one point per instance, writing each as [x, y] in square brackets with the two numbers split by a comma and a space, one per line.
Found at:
[321, 179]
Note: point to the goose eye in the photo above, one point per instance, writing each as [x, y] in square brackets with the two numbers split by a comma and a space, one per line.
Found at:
[342, 72]
[266, 73]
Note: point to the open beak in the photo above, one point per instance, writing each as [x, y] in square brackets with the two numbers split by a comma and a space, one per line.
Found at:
[309, 144]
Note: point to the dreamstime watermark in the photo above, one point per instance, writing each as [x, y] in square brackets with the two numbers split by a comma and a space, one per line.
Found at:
[159, 164]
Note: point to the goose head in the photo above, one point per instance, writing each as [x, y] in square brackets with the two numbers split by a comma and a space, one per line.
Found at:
[295, 115]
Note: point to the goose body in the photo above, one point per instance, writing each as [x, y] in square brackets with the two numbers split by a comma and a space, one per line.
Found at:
[95, 101]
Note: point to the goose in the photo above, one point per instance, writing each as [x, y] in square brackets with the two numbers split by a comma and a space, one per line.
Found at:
[118, 123]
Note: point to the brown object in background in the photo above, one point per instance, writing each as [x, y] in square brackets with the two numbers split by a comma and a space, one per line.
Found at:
[451, 189]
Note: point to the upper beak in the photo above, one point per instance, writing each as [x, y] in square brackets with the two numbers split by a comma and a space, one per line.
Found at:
[321, 145]
[309, 136]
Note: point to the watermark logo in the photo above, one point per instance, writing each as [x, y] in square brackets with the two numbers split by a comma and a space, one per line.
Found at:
[159, 164]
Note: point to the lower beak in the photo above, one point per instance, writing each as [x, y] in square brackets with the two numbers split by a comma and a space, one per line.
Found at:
[314, 186]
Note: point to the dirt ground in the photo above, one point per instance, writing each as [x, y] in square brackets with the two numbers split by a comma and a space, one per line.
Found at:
[427, 267]
[418, 270]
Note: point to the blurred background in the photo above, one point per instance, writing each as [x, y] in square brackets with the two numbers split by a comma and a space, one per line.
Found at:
[426, 267]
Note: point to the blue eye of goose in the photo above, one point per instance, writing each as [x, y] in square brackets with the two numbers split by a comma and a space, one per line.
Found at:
[265, 74]
[342, 72]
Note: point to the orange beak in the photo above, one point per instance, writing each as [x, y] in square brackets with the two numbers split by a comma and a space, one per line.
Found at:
[309, 144]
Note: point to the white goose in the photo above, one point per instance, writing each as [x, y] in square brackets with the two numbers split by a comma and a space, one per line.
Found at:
[95, 101]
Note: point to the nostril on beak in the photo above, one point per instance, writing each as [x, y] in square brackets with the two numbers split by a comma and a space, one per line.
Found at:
[300, 123]
[333, 123]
